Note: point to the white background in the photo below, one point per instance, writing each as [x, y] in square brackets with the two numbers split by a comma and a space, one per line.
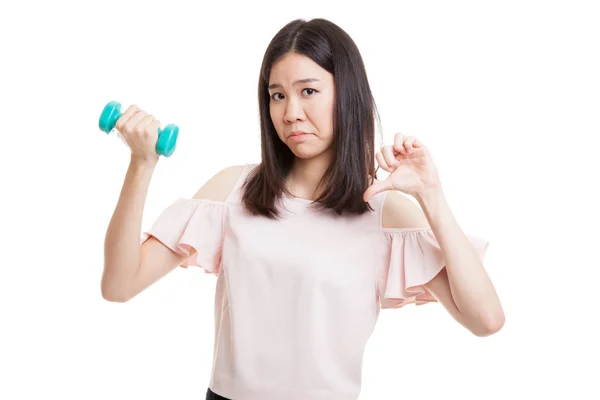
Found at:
[504, 94]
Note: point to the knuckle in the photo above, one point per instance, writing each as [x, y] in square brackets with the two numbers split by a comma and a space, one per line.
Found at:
[139, 130]
[129, 127]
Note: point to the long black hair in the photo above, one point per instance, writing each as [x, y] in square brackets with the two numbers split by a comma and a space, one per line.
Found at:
[353, 165]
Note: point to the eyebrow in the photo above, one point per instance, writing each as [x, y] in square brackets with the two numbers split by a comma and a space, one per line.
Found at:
[277, 85]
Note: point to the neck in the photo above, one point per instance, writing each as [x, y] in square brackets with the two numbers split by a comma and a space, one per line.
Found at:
[305, 175]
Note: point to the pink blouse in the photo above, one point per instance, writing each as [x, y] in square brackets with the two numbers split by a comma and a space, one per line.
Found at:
[297, 299]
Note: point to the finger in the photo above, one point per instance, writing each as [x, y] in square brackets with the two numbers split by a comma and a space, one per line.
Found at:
[134, 120]
[399, 143]
[128, 125]
[408, 143]
[382, 163]
[389, 157]
[152, 128]
[377, 187]
[132, 109]
[417, 143]
[140, 127]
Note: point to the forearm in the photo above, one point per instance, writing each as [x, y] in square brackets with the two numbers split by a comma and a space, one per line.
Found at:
[471, 287]
[122, 240]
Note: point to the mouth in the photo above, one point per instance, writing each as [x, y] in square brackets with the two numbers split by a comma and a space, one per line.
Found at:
[298, 133]
[299, 136]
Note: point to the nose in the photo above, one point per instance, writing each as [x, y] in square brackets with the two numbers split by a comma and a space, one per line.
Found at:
[293, 110]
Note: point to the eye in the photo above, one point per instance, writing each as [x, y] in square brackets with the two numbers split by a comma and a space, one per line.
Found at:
[307, 89]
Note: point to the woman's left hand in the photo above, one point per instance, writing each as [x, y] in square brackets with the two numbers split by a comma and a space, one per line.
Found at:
[410, 165]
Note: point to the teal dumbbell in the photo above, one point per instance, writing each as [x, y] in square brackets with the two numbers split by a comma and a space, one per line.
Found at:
[167, 137]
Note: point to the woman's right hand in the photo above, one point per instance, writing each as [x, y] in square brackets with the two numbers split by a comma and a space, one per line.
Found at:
[139, 130]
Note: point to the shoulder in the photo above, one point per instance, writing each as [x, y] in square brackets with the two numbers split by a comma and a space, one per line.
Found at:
[401, 212]
[220, 185]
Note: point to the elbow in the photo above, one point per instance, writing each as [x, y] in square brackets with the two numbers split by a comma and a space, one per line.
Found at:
[114, 297]
[114, 293]
[491, 325]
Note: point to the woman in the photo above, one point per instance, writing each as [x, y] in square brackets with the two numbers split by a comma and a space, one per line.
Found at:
[307, 245]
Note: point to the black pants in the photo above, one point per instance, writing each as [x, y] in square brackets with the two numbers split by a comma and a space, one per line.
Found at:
[210, 395]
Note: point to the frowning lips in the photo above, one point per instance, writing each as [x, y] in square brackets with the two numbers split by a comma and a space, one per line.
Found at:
[297, 133]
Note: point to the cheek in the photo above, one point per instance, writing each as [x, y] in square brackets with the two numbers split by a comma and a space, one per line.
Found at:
[326, 116]
[274, 118]
[327, 107]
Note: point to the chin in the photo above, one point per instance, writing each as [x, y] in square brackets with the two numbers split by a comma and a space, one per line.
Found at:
[307, 154]
[304, 155]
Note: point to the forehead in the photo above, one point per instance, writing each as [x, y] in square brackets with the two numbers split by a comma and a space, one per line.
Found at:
[294, 67]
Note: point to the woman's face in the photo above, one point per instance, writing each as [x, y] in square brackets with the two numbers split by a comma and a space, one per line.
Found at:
[302, 99]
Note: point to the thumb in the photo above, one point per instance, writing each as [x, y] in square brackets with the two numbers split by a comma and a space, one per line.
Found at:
[377, 187]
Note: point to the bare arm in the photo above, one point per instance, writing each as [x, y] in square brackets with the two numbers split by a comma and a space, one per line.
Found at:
[152, 259]
[122, 240]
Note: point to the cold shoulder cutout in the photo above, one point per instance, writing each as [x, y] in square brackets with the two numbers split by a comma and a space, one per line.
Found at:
[297, 298]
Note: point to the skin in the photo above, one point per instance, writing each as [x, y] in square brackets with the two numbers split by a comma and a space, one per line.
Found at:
[308, 107]
[463, 286]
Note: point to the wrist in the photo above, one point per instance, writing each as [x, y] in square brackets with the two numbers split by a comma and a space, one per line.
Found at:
[142, 164]
[431, 194]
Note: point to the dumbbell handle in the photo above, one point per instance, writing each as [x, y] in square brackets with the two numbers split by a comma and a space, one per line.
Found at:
[167, 136]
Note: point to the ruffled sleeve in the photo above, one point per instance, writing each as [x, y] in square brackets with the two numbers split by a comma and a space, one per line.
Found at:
[189, 224]
[415, 258]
